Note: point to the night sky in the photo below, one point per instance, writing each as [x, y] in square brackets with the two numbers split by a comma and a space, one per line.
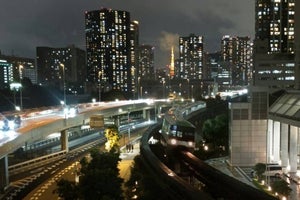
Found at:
[26, 24]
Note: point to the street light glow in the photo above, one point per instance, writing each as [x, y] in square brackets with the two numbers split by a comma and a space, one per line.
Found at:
[64, 83]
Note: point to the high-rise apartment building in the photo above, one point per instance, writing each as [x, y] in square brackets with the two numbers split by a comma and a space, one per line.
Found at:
[274, 22]
[60, 67]
[236, 51]
[190, 57]
[134, 55]
[218, 71]
[21, 67]
[274, 45]
[146, 62]
[251, 129]
[108, 46]
[6, 74]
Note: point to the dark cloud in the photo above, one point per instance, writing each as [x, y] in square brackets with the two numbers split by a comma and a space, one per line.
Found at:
[58, 23]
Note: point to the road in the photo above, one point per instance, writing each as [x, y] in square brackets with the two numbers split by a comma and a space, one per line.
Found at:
[45, 190]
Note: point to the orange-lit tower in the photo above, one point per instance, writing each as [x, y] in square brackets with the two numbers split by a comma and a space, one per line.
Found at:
[172, 71]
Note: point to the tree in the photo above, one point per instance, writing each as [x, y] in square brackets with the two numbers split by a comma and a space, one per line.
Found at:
[142, 184]
[215, 131]
[281, 187]
[67, 190]
[99, 179]
[113, 138]
[260, 168]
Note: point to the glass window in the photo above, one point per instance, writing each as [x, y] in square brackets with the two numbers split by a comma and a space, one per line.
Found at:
[179, 134]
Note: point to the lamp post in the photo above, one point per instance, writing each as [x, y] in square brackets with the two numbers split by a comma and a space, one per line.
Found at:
[163, 82]
[192, 92]
[128, 118]
[180, 89]
[139, 85]
[64, 83]
[188, 80]
[21, 96]
[99, 79]
[15, 87]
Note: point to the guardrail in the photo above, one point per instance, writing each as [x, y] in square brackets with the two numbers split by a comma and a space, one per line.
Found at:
[219, 184]
[36, 160]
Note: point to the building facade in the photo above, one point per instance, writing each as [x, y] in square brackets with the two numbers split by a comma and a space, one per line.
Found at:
[248, 129]
[6, 74]
[274, 35]
[191, 55]
[275, 23]
[236, 51]
[62, 67]
[146, 62]
[108, 46]
[276, 136]
[134, 57]
[21, 67]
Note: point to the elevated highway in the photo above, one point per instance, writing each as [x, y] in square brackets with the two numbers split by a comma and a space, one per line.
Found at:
[38, 126]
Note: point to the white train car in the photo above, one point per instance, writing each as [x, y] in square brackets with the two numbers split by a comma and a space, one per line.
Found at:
[176, 131]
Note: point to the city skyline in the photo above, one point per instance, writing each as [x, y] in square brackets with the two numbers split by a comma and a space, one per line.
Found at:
[61, 23]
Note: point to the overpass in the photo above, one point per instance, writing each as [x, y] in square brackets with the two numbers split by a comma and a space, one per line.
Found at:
[40, 125]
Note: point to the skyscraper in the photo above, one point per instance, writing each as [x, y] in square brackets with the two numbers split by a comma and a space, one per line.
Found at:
[274, 23]
[190, 57]
[108, 46]
[274, 44]
[134, 55]
[146, 62]
[236, 51]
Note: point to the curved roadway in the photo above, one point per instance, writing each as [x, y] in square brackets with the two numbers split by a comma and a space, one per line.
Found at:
[47, 122]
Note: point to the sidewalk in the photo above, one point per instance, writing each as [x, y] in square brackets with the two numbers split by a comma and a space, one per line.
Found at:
[127, 160]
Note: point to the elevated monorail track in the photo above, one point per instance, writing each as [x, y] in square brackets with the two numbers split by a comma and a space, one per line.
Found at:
[220, 185]
[175, 186]
[217, 184]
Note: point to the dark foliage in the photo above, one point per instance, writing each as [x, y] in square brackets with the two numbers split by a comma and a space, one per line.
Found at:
[141, 184]
[99, 179]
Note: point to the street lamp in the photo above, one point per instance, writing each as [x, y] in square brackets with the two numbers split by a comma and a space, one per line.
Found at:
[128, 117]
[163, 82]
[99, 79]
[15, 87]
[64, 83]
[139, 85]
[180, 89]
[192, 92]
[188, 80]
[21, 96]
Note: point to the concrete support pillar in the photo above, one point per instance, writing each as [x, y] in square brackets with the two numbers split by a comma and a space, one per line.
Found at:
[4, 177]
[158, 110]
[64, 140]
[146, 114]
[284, 144]
[276, 143]
[270, 141]
[117, 120]
[293, 149]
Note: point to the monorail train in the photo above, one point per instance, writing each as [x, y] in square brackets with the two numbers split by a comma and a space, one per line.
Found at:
[176, 131]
